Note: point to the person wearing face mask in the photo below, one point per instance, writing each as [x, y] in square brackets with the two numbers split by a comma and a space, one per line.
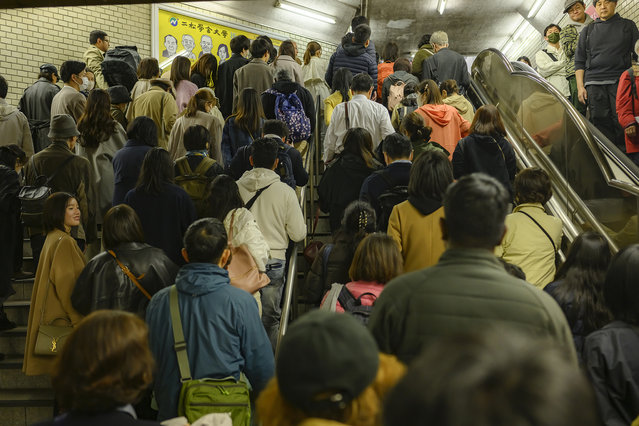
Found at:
[69, 100]
[91, 85]
[94, 56]
[578, 19]
[224, 88]
[551, 61]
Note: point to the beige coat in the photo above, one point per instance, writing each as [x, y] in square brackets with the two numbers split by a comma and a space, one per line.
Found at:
[462, 105]
[93, 57]
[419, 237]
[256, 74]
[285, 62]
[141, 86]
[14, 128]
[61, 263]
[161, 107]
[213, 123]
[69, 101]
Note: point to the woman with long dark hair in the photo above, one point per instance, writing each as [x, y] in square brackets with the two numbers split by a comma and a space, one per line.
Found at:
[243, 127]
[164, 208]
[578, 286]
[101, 137]
[341, 183]
[204, 71]
[285, 61]
[181, 78]
[341, 92]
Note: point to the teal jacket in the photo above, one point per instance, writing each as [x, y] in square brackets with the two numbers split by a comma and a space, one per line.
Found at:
[467, 290]
[223, 332]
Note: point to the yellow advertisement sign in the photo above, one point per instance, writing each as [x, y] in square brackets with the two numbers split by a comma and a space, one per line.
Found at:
[179, 33]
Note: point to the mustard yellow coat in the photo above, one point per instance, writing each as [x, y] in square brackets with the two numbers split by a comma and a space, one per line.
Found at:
[419, 237]
[61, 262]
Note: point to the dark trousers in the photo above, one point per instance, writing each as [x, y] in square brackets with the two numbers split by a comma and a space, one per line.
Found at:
[574, 95]
[37, 241]
[603, 112]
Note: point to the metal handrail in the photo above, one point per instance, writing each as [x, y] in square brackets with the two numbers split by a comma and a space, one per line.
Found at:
[287, 297]
[570, 196]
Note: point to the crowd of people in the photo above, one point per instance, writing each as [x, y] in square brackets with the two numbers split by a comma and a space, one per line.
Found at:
[161, 220]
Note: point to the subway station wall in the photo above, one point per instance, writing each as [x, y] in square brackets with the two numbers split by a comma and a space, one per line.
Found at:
[30, 37]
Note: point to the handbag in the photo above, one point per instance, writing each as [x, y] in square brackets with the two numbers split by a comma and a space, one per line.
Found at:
[243, 271]
[51, 338]
[311, 251]
[199, 397]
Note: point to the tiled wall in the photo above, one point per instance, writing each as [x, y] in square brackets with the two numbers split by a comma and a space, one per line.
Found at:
[30, 37]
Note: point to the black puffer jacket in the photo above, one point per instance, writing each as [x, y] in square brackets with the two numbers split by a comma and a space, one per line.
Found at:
[103, 285]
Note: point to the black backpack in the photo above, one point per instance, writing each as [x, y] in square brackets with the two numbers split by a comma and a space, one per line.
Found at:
[388, 199]
[354, 306]
[285, 165]
[120, 66]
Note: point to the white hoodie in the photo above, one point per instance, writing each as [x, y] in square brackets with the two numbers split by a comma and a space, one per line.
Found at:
[14, 128]
[277, 210]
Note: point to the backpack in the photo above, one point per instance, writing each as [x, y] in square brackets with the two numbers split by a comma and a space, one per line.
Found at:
[225, 397]
[388, 199]
[195, 183]
[120, 66]
[351, 304]
[289, 109]
[32, 198]
[396, 94]
[285, 165]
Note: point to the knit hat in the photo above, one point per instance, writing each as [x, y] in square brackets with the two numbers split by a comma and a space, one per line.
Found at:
[50, 68]
[62, 127]
[119, 94]
[594, 2]
[328, 354]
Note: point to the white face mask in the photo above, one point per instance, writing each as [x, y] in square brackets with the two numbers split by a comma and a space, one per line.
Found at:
[91, 85]
[85, 84]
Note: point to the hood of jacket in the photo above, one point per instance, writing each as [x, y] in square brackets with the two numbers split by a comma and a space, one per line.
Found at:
[459, 102]
[6, 110]
[353, 49]
[285, 87]
[197, 279]
[440, 114]
[257, 178]
[425, 206]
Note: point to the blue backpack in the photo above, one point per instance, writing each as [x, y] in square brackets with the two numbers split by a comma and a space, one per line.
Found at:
[289, 109]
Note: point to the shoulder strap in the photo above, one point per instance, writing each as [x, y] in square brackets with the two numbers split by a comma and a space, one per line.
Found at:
[129, 274]
[204, 166]
[542, 228]
[178, 336]
[231, 227]
[553, 57]
[183, 166]
[330, 303]
[60, 167]
[252, 201]
[325, 256]
[348, 121]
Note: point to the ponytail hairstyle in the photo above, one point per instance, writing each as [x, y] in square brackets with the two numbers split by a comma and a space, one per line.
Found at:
[429, 92]
[450, 86]
[413, 126]
[311, 49]
[198, 102]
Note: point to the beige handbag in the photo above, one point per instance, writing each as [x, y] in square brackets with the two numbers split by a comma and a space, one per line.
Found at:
[51, 338]
[243, 271]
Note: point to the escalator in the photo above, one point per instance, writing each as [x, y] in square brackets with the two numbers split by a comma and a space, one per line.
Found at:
[595, 186]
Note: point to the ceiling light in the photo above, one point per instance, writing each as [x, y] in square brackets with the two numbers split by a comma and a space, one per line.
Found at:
[441, 6]
[305, 12]
[535, 8]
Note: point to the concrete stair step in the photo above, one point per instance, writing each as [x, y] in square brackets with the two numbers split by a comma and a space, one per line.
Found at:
[14, 378]
[23, 289]
[18, 311]
[22, 415]
[13, 342]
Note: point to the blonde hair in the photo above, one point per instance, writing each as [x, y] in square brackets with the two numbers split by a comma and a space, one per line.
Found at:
[365, 410]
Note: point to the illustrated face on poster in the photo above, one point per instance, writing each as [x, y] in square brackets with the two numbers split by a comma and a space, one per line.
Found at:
[223, 52]
[170, 46]
[189, 44]
[197, 36]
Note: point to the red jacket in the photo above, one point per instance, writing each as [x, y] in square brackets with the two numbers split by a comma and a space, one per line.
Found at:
[628, 108]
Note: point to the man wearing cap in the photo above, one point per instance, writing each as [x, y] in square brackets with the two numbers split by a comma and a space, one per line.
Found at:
[69, 100]
[468, 290]
[14, 126]
[35, 104]
[94, 56]
[603, 54]
[120, 98]
[568, 38]
[445, 64]
[72, 175]
[158, 103]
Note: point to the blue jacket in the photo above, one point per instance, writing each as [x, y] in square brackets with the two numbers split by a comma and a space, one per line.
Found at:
[223, 332]
[234, 137]
[354, 57]
[127, 163]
